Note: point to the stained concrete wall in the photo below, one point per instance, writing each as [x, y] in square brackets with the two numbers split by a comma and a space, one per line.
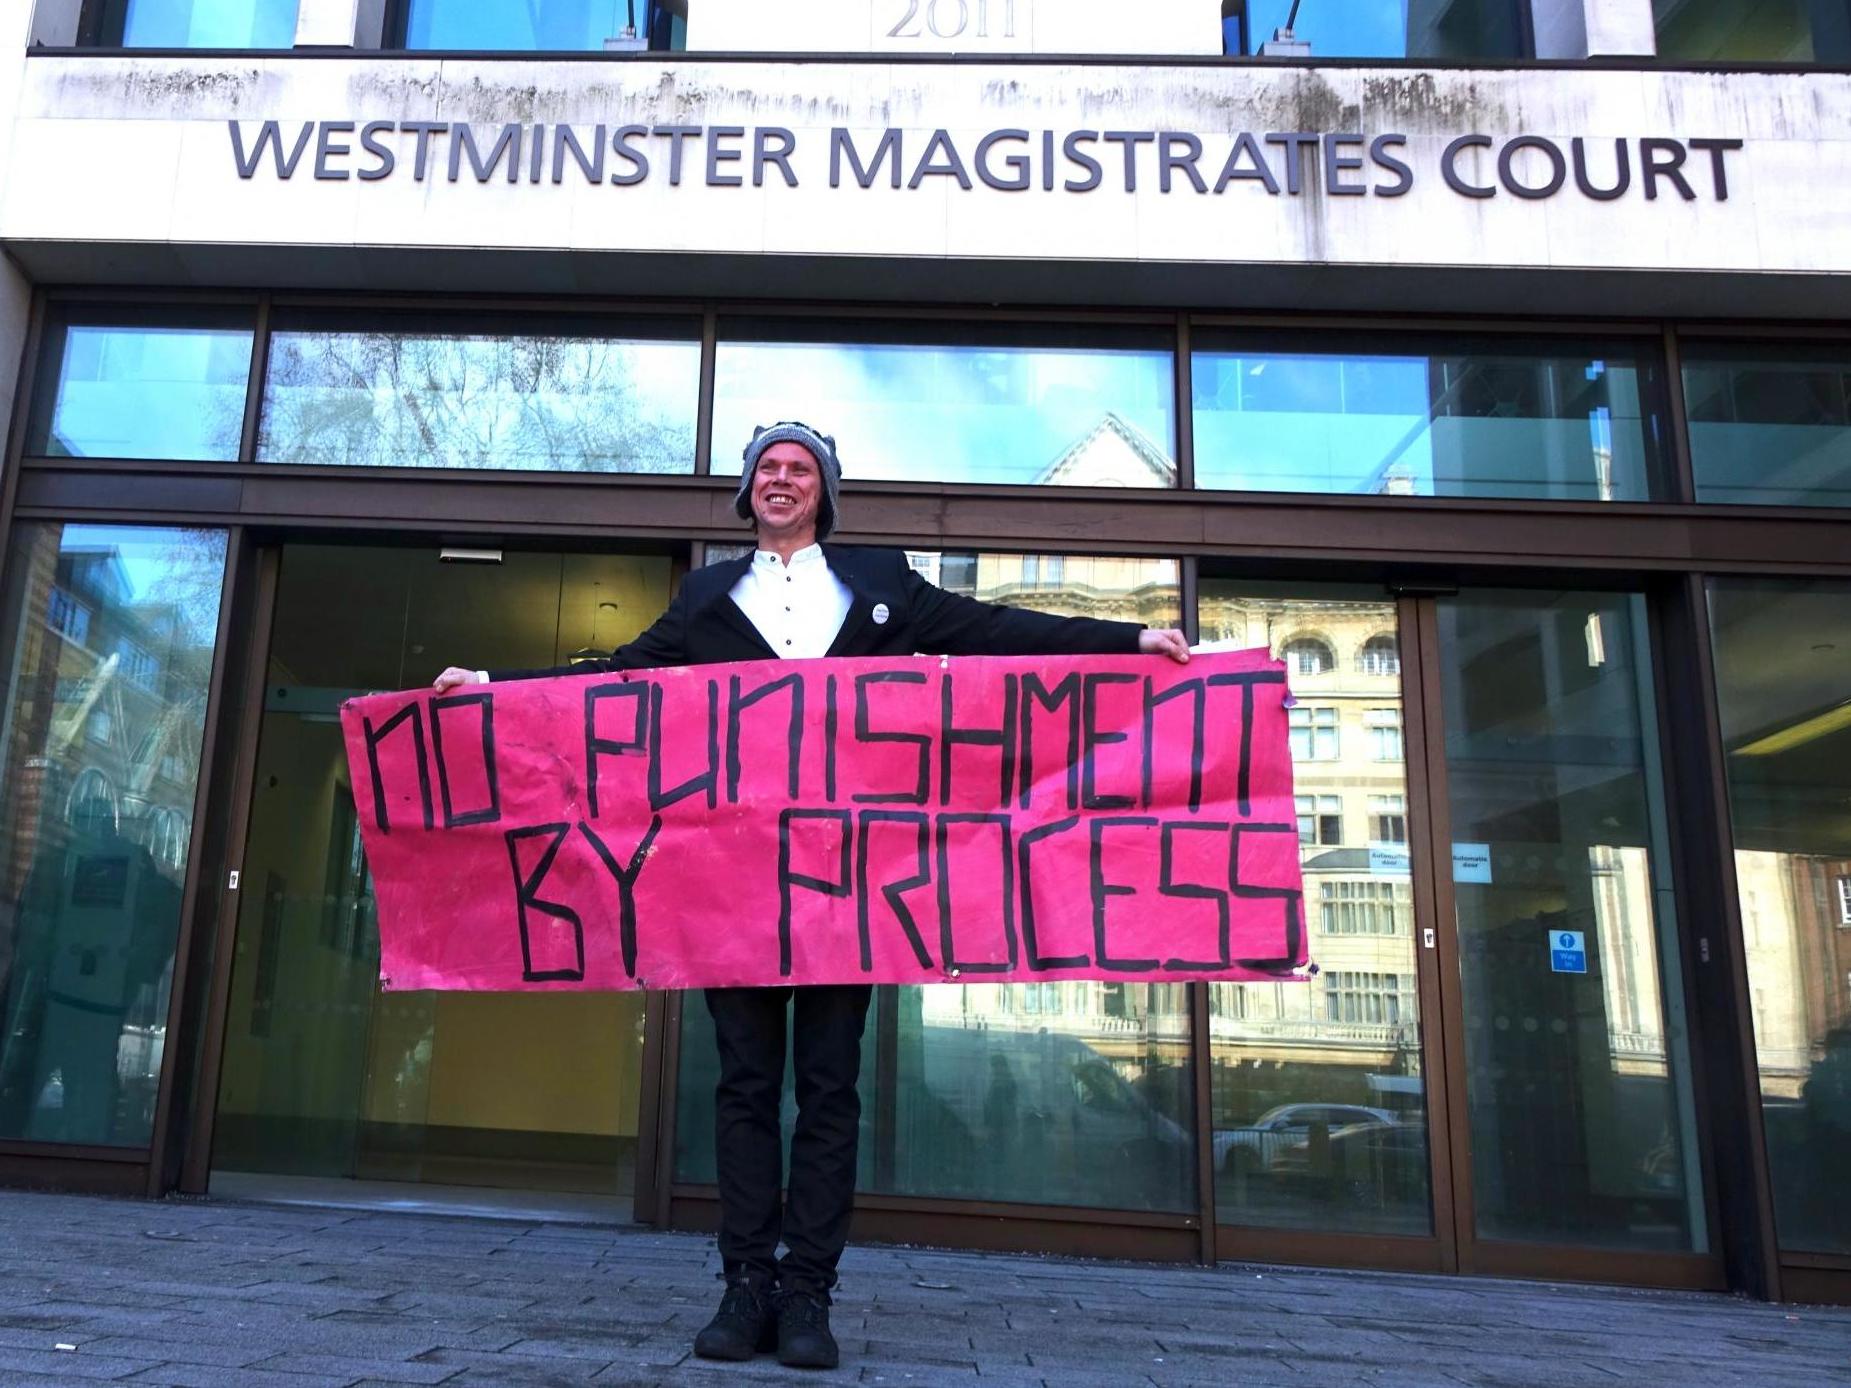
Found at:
[139, 152]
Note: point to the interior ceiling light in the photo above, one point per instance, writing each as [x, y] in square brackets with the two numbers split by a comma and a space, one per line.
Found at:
[1799, 734]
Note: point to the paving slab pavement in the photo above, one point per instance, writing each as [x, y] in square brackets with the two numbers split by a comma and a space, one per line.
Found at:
[220, 1294]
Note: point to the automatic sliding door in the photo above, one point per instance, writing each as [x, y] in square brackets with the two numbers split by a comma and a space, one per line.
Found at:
[1783, 687]
[1576, 1078]
[323, 1074]
[1319, 1089]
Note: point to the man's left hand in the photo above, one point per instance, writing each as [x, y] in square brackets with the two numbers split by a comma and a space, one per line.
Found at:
[1170, 643]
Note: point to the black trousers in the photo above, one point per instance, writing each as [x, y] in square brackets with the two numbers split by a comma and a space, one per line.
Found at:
[825, 1046]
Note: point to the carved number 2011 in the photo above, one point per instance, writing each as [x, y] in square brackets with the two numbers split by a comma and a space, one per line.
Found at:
[935, 12]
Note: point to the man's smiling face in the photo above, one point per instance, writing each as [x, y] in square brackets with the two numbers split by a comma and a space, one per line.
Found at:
[787, 493]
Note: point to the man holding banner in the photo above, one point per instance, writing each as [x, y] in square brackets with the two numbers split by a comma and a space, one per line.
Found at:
[795, 598]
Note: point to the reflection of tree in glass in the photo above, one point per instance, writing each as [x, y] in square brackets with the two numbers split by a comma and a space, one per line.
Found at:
[188, 577]
[533, 403]
[168, 613]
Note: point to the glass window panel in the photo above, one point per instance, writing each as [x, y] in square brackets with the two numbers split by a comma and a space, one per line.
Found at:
[510, 394]
[112, 632]
[700, 1074]
[1784, 694]
[1781, 31]
[909, 402]
[1317, 1088]
[1447, 29]
[1770, 425]
[1578, 1086]
[547, 25]
[1049, 1093]
[130, 385]
[1110, 587]
[1479, 417]
[200, 23]
[1046, 1093]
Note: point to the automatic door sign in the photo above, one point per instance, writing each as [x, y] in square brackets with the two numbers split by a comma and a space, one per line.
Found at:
[1568, 951]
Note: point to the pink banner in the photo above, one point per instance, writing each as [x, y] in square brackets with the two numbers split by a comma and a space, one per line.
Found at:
[916, 820]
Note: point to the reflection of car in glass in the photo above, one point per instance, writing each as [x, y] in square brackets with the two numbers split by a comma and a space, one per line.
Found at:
[1283, 1129]
[1032, 1116]
[998, 1114]
[1380, 1165]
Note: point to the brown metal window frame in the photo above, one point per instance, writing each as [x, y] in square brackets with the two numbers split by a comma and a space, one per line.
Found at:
[1628, 536]
[1666, 546]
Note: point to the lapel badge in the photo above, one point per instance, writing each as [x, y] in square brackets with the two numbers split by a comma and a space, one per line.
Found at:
[880, 614]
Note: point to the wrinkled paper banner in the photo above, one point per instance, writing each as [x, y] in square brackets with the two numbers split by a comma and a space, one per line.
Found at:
[917, 820]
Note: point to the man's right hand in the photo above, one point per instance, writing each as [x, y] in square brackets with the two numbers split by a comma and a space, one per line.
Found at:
[453, 677]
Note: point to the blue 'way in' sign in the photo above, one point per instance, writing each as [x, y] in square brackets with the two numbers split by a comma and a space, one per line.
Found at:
[1568, 951]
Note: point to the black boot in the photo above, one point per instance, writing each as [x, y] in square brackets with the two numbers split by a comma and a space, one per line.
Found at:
[746, 1323]
[804, 1341]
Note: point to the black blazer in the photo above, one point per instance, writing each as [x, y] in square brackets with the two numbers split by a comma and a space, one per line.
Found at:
[704, 626]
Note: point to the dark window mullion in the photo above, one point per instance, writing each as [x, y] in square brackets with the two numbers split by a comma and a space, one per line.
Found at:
[254, 383]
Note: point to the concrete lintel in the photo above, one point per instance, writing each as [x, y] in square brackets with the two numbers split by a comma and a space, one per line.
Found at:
[1518, 292]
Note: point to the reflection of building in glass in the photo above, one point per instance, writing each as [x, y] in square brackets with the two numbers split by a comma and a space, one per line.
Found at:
[1113, 454]
[107, 731]
[1132, 590]
[1062, 408]
[1627, 953]
[1344, 664]
[1318, 1090]
[1799, 961]
[100, 764]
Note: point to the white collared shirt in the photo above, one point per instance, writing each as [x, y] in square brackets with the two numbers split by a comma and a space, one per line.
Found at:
[797, 607]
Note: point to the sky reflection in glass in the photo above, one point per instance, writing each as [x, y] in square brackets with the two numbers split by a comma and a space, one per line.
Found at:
[1386, 28]
[563, 26]
[1070, 416]
[1489, 422]
[144, 392]
[202, 23]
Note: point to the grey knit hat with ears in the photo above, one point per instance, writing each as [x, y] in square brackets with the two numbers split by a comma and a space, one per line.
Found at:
[822, 448]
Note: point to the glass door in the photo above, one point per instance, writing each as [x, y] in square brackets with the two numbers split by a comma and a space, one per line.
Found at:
[1578, 1145]
[1490, 1070]
[323, 1075]
[1783, 687]
[1319, 1091]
